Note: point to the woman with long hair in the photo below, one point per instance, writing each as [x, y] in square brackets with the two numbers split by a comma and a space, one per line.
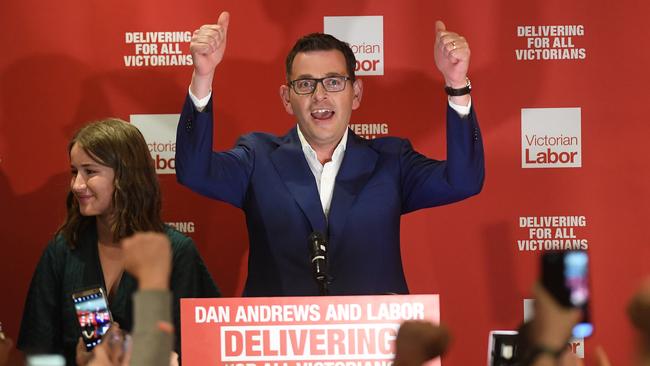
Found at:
[114, 192]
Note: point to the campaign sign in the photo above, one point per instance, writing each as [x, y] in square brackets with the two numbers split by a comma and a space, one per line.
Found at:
[299, 331]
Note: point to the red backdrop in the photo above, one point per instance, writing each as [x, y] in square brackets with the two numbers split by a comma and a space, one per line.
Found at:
[65, 63]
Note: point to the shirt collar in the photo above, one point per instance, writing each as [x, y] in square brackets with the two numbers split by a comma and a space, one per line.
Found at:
[310, 152]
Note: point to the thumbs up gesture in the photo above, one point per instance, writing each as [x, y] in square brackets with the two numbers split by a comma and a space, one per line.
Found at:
[451, 53]
[207, 47]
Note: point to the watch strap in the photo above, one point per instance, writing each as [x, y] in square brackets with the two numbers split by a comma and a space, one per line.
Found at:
[460, 91]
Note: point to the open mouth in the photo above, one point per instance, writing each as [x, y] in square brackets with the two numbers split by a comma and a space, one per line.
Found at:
[322, 114]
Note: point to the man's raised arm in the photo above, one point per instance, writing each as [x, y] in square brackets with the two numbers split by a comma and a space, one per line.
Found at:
[208, 46]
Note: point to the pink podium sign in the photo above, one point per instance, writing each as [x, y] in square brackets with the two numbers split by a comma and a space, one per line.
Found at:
[299, 331]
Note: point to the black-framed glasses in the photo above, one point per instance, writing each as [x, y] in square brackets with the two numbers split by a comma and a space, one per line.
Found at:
[330, 83]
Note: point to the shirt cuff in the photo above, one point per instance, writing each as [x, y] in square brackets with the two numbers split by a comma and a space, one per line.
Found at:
[200, 104]
[462, 110]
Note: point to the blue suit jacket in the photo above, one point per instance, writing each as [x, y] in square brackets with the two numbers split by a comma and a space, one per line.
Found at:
[268, 177]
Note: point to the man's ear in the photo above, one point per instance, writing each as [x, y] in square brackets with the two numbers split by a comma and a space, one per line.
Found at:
[284, 95]
[357, 86]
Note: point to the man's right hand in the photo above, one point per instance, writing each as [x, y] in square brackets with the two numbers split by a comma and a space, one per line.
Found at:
[207, 47]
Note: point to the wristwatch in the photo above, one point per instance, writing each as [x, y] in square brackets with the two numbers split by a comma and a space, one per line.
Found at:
[461, 91]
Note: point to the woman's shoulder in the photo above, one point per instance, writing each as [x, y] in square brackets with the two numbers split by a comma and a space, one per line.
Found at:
[58, 246]
[85, 237]
[179, 241]
[56, 255]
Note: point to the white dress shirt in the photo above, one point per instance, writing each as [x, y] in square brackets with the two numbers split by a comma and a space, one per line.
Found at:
[325, 174]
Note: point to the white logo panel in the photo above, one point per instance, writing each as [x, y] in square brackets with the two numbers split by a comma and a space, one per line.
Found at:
[551, 138]
[365, 34]
[159, 131]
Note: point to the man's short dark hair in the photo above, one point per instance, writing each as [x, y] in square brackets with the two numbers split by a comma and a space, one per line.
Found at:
[322, 42]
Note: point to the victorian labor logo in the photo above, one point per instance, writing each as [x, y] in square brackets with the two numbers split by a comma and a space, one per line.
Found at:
[551, 138]
[159, 131]
[365, 34]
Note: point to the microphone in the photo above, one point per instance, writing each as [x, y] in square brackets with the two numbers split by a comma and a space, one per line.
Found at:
[318, 258]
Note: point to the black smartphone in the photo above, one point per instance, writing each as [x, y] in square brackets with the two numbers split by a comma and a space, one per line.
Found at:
[93, 315]
[565, 274]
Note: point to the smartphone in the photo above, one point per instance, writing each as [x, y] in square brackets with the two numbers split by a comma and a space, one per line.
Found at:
[93, 315]
[565, 275]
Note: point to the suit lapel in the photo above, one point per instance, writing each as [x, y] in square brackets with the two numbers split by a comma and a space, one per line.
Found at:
[290, 163]
[357, 167]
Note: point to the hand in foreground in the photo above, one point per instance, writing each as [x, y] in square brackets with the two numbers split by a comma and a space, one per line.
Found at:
[147, 256]
[553, 323]
[419, 341]
[82, 356]
[638, 310]
[115, 349]
[6, 345]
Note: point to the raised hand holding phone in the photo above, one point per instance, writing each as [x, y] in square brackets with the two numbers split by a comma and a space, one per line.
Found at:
[565, 275]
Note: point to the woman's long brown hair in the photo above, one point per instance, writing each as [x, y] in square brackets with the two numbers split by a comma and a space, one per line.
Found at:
[136, 200]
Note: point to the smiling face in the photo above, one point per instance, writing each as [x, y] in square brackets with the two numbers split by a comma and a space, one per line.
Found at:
[322, 116]
[92, 184]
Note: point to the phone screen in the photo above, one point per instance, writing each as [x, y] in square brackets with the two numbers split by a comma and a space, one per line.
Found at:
[93, 315]
[566, 276]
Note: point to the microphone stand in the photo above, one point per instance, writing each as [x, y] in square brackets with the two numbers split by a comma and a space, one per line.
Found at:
[318, 250]
[322, 286]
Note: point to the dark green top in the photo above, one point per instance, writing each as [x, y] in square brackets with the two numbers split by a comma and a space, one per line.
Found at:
[49, 322]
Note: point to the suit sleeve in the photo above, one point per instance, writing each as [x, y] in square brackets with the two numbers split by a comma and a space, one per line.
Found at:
[427, 182]
[219, 175]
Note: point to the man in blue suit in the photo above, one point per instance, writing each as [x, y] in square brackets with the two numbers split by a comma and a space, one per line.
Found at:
[320, 176]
